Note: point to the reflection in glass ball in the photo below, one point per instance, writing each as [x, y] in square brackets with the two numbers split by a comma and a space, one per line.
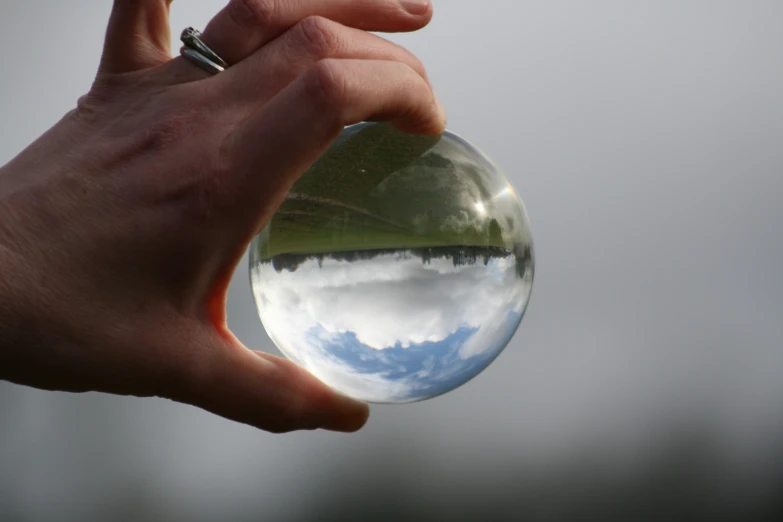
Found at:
[398, 267]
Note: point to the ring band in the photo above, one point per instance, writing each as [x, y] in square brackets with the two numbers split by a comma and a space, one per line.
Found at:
[202, 61]
[199, 53]
[192, 38]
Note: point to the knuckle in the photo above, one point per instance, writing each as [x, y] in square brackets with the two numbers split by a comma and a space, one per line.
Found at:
[206, 195]
[319, 35]
[328, 84]
[416, 64]
[215, 192]
[162, 133]
[252, 13]
[88, 109]
[411, 81]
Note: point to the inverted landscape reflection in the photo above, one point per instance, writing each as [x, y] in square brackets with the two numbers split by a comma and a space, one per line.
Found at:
[394, 326]
[398, 267]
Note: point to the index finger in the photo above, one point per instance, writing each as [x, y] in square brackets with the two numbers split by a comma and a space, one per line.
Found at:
[244, 26]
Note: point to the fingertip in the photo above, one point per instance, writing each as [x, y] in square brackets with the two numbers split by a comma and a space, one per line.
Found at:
[348, 416]
[441, 114]
[316, 405]
[430, 127]
[433, 124]
[422, 9]
[412, 19]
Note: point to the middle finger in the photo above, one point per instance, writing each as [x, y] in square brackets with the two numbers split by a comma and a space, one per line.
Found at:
[276, 65]
[244, 26]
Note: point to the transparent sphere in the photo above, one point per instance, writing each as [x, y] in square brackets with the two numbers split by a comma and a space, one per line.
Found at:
[398, 267]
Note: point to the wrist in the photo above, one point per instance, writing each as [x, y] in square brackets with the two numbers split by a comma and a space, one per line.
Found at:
[13, 298]
[20, 328]
[9, 314]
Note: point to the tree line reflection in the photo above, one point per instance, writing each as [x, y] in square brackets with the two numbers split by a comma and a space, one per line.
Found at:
[458, 255]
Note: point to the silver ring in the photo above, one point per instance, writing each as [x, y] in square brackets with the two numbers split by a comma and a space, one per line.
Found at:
[199, 53]
[202, 61]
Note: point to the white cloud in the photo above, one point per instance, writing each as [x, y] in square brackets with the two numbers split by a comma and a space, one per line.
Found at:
[386, 302]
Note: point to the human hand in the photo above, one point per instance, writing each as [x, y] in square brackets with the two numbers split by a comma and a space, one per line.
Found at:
[121, 227]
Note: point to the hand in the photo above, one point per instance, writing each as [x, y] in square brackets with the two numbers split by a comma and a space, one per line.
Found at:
[121, 227]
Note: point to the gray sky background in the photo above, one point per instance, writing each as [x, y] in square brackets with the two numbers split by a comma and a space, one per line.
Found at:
[646, 139]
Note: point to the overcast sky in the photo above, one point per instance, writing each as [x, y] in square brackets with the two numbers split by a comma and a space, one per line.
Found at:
[645, 138]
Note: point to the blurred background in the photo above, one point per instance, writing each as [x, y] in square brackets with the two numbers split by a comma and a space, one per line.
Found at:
[646, 139]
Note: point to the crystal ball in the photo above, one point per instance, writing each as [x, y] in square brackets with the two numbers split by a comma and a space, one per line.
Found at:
[398, 267]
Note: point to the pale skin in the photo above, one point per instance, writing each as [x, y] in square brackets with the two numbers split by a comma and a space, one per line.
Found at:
[120, 228]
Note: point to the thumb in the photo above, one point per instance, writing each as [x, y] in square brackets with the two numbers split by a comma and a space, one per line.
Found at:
[138, 36]
[265, 391]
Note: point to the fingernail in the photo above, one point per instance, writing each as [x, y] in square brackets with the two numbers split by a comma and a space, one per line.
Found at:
[442, 110]
[415, 7]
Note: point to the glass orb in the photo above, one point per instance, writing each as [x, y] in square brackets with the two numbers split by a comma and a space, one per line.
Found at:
[398, 267]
